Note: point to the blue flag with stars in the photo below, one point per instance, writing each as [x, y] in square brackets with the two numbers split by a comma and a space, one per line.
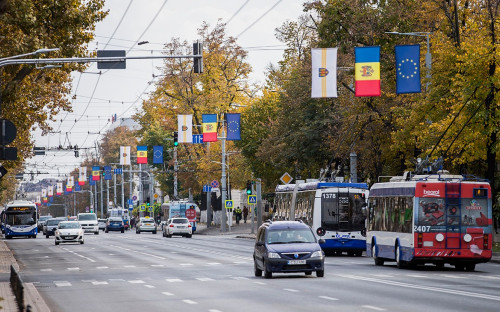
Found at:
[233, 127]
[408, 69]
[157, 154]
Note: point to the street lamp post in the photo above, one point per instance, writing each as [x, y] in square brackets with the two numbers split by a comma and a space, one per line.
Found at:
[428, 58]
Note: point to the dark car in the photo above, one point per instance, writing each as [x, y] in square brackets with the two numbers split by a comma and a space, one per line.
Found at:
[115, 224]
[50, 226]
[287, 247]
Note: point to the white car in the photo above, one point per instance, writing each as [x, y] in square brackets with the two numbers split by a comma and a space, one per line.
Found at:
[145, 224]
[88, 222]
[69, 232]
[102, 223]
[178, 226]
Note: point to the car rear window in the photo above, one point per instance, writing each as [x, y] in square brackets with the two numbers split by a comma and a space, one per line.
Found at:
[180, 221]
[53, 222]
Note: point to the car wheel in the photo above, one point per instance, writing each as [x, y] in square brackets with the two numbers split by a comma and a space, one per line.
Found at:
[46, 236]
[320, 273]
[57, 243]
[163, 234]
[154, 232]
[257, 271]
[309, 273]
[96, 233]
[137, 232]
[189, 235]
[81, 242]
[267, 273]
[106, 231]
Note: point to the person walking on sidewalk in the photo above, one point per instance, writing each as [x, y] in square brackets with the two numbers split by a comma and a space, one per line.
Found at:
[245, 214]
[237, 211]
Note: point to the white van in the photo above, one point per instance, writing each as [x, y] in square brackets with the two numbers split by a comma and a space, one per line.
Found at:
[89, 223]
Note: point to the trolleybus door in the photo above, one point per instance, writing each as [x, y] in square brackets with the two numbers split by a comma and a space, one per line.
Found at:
[453, 213]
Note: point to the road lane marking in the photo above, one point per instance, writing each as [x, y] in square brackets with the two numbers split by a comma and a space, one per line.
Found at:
[373, 308]
[102, 267]
[290, 290]
[186, 264]
[173, 280]
[166, 293]
[416, 275]
[45, 270]
[100, 283]
[213, 263]
[423, 287]
[205, 279]
[73, 269]
[260, 283]
[157, 265]
[136, 282]
[149, 286]
[327, 298]
[189, 301]
[62, 283]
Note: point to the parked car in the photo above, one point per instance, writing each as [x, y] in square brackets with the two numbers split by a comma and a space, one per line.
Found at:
[50, 226]
[69, 232]
[178, 226]
[287, 247]
[115, 224]
[102, 224]
[146, 224]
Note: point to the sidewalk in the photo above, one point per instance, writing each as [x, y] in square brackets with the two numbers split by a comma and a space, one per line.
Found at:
[242, 230]
[31, 295]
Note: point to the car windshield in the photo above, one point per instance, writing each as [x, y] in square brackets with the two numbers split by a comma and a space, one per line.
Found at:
[69, 225]
[290, 236]
[44, 218]
[147, 221]
[180, 221]
[53, 222]
[87, 217]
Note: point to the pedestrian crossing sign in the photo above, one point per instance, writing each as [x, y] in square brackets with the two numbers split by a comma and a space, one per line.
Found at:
[252, 199]
[228, 204]
[143, 207]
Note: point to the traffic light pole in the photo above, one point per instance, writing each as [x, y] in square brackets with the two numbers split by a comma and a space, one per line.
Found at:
[223, 179]
[176, 168]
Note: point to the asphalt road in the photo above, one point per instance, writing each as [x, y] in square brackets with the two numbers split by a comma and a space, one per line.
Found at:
[146, 272]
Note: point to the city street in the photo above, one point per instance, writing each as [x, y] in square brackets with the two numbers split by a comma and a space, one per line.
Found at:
[146, 272]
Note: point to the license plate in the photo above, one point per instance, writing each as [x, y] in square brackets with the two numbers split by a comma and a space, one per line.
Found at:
[296, 262]
[68, 237]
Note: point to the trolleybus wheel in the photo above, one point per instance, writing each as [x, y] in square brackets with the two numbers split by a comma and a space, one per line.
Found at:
[470, 267]
[401, 264]
[377, 260]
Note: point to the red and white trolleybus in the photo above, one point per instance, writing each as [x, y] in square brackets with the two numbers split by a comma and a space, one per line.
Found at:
[435, 218]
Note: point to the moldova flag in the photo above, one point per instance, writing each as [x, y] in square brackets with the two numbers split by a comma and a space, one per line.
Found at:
[142, 154]
[367, 71]
[209, 127]
[96, 173]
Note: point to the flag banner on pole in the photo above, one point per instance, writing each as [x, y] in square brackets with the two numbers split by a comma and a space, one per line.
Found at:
[107, 173]
[69, 184]
[209, 127]
[142, 154]
[59, 188]
[157, 154]
[91, 181]
[38, 199]
[50, 191]
[408, 69]
[367, 71]
[78, 188]
[324, 73]
[82, 176]
[233, 126]
[124, 155]
[96, 173]
[45, 200]
[185, 128]
[44, 192]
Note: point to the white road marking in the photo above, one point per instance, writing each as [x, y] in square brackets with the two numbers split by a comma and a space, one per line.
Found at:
[290, 290]
[452, 276]
[102, 267]
[137, 282]
[190, 301]
[327, 298]
[45, 270]
[260, 283]
[149, 286]
[167, 293]
[213, 263]
[205, 279]
[100, 283]
[73, 269]
[186, 264]
[213, 310]
[62, 283]
[239, 278]
[373, 308]
[416, 275]
[129, 266]
[158, 265]
[173, 280]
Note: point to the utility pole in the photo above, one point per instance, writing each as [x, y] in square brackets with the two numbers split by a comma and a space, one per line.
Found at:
[223, 178]
[176, 169]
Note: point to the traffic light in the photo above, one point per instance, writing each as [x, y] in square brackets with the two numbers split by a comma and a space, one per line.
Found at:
[176, 138]
[249, 187]
[77, 153]
[198, 61]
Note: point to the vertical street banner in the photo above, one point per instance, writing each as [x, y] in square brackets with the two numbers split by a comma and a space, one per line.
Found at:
[209, 127]
[233, 126]
[69, 184]
[82, 176]
[96, 173]
[324, 73]
[408, 69]
[367, 71]
[44, 192]
[59, 188]
[157, 154]
[185, 128]
[91, 181]
[124, 155]
[142, 154]
[38, 200]
[107, 173]
[50, 191]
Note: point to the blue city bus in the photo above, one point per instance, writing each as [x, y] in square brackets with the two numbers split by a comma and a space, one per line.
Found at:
[19, 218]
[334, 208]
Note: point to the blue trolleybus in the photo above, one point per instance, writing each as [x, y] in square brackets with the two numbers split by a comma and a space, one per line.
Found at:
[19, 218]
[334, 208]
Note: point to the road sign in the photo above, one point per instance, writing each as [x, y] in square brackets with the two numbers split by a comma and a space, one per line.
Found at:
[198, 138]
[286, 178]
[150, 208]
[8, 131]
[134, 197]
[252, 199]
[155, 196]
[130, 207]
[207, 188]
[214, 183]
[143, 207]
[191, 214]
[118, 171]
[228, 204]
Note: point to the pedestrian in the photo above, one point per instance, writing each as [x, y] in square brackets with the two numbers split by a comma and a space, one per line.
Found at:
[245, 214]
[238, 215]
[132, 222]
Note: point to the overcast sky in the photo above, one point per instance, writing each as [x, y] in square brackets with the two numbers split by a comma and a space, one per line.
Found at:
[99, 96]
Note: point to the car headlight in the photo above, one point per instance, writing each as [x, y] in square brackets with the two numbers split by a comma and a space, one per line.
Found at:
[273, 255]
[317, 254]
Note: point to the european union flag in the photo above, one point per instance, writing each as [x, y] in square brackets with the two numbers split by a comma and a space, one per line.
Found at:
[233, 127]
[408, 69]
[157, 154]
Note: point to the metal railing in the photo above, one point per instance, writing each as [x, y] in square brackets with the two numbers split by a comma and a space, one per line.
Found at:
[16, 283]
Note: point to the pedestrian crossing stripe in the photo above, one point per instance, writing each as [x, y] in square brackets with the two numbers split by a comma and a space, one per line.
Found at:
[252, 199]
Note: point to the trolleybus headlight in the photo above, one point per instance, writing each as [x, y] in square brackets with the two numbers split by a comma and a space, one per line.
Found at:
[439, 237]
[467, 238]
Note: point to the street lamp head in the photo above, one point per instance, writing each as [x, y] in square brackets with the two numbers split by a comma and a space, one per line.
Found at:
[143, 42]
[40, 51]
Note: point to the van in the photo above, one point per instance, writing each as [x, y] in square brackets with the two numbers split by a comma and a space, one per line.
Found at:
[89, 223]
